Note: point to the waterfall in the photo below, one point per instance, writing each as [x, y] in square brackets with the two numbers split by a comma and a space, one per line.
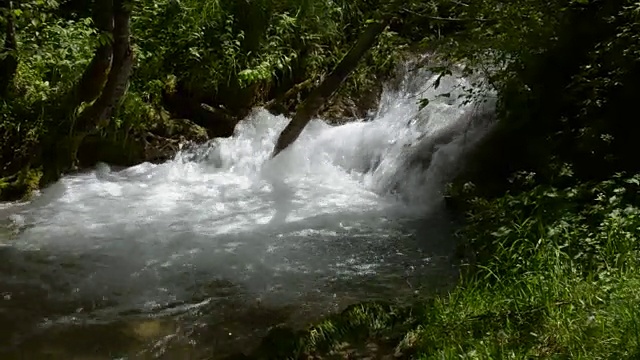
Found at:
[343, 205]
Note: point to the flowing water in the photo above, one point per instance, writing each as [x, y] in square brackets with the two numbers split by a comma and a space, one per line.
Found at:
[203, 253]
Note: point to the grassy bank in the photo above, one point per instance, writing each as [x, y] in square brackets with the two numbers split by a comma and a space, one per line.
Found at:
[555, 275]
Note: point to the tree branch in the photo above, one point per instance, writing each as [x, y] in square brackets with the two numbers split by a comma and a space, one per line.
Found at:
[446, 18]
[457, 19]
[459, 3]
[309, 108]
[95, 75]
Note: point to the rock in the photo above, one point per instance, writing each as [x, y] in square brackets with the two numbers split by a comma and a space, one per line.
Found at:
[164, 140]
[342, 109]
[181, 129]
[19, 185]
[159, 143]
[280, 342]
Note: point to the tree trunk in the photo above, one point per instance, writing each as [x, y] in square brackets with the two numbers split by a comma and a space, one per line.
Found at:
[96, 74]
[8, 56]
[319, 96]
[99, 113]
[60, 153]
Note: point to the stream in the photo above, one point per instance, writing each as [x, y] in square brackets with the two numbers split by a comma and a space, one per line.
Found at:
[199, 256]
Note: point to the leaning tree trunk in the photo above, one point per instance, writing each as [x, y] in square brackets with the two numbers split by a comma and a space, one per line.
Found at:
[8, 56]
[319, 96]
[96, 74]
[99, 113]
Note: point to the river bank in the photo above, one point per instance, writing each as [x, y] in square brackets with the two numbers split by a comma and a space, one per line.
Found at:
[555, 275]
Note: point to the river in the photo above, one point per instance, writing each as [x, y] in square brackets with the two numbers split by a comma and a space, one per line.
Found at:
[200, 255]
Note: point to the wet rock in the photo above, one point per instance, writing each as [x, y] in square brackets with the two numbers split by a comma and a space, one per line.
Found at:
[180, 128]
[165, 139]
[159, 143]
[19, 185]
[280, 343]
[342, 109]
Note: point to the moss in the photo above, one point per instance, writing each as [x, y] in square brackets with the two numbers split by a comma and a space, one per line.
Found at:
[20, 185]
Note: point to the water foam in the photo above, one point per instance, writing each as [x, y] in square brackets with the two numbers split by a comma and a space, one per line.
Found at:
[335, 204]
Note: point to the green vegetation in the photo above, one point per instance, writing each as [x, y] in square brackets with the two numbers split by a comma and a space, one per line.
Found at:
[551, 255]
[105, 82]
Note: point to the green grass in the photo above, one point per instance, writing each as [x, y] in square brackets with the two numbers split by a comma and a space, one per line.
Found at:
[555, 276]
[536, 317]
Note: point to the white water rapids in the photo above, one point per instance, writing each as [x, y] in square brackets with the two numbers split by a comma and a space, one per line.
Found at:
[337, 217]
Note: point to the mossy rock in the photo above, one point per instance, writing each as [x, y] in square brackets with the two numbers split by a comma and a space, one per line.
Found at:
[180, 129]
[372, 329]
[158, 144]
[20, 185]
[166, 138]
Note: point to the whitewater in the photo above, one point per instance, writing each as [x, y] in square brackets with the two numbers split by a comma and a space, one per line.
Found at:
[347, 213]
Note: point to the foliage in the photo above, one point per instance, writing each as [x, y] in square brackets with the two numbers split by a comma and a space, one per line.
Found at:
[565, 79]
[555, 275]
[53, 60]
[236, 43]
[494, 36]
[355, 324]
[53, 52]
[231, 55]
